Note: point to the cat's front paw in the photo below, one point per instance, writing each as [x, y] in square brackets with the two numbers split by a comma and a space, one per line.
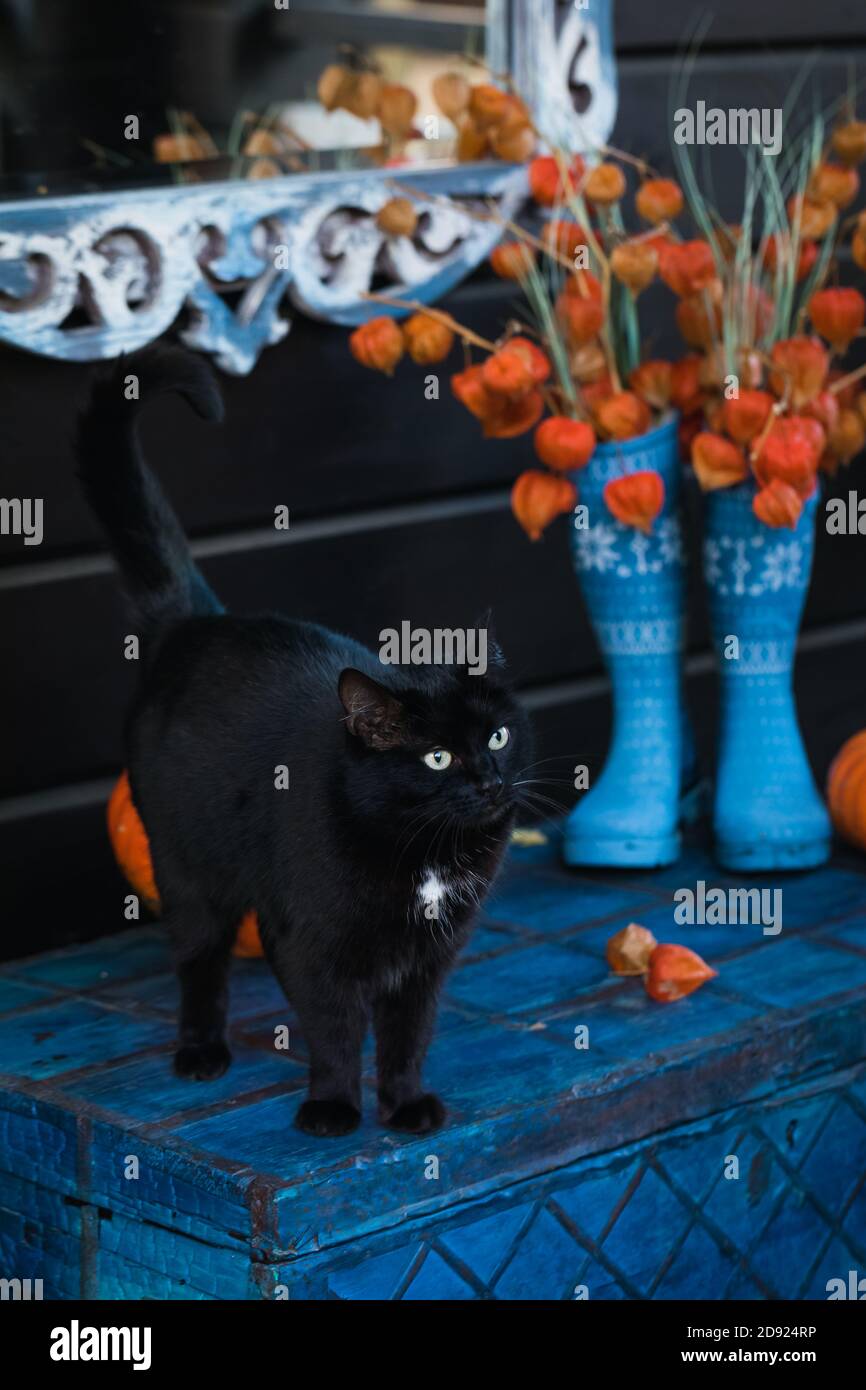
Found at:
[419, 1116]
[327, 1117]
[202, 1061]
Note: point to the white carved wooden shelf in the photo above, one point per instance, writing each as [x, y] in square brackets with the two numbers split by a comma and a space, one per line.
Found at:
[91, 276]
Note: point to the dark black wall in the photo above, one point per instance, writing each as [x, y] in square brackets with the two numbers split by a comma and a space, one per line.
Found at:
[399, 510]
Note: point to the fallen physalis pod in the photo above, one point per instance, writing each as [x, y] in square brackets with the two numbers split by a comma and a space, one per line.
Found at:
[674, 972]
[628, 952]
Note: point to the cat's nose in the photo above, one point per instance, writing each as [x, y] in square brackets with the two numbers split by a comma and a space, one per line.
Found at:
[491, 786]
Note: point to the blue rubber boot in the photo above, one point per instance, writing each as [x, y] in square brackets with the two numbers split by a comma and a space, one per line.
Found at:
[767, 811]
[633, 587]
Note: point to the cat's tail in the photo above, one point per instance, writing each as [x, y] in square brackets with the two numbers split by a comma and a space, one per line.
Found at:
[159, 575]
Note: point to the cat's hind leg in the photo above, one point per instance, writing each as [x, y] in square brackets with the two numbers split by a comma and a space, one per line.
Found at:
[202, 955]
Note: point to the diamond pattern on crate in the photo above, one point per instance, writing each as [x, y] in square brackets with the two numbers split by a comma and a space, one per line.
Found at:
[781, 1229]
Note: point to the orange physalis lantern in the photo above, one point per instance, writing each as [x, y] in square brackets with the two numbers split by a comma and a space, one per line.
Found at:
[636, 499]
[687, 267]
[747, 414]
[581, 318]
[427, 340]
[791, 452]
[563, 443]
[634, 263]
[605, 184]
[800, 365]
[849, 141]
[834, 183]
[622, 415]
[537, 498]
[629, 951]
[652, 381]
[563, 238]
[717, 462]
[378, 343]
[659, 200]
[511, 260]
[545, 179]
[838, 314]
[686, 390]
[777, 505]
[674, 972]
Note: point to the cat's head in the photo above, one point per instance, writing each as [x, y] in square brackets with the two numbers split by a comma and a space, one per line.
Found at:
[438, 739]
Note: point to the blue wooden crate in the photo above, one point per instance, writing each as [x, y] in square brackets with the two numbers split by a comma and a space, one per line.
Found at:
[714, 1148]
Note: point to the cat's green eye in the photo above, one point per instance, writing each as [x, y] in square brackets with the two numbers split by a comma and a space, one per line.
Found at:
[498, 739]
[439, 759]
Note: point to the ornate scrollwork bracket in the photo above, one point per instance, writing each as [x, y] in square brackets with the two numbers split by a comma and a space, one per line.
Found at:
[90, 277]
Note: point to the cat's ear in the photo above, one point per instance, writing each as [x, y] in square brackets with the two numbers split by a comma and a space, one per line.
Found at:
[373, 714]
[495, 654]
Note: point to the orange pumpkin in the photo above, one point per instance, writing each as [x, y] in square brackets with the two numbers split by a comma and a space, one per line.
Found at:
[130, 844]
[846, 790]
[132, 851]
[248, 943]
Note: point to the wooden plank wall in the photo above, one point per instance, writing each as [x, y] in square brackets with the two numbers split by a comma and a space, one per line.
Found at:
[399, 510]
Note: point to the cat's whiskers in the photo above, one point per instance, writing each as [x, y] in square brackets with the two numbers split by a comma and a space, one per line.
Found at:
[541, 796]
[555, 758]
[431, 819]
[533, 800]
[548, 781]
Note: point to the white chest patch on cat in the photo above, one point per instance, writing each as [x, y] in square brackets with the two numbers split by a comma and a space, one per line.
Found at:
[438, 891]
[432, 891]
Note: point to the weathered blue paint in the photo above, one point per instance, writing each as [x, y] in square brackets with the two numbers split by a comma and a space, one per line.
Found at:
[559, 1168]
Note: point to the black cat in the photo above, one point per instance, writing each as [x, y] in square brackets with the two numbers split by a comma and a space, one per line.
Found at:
[366, 871]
